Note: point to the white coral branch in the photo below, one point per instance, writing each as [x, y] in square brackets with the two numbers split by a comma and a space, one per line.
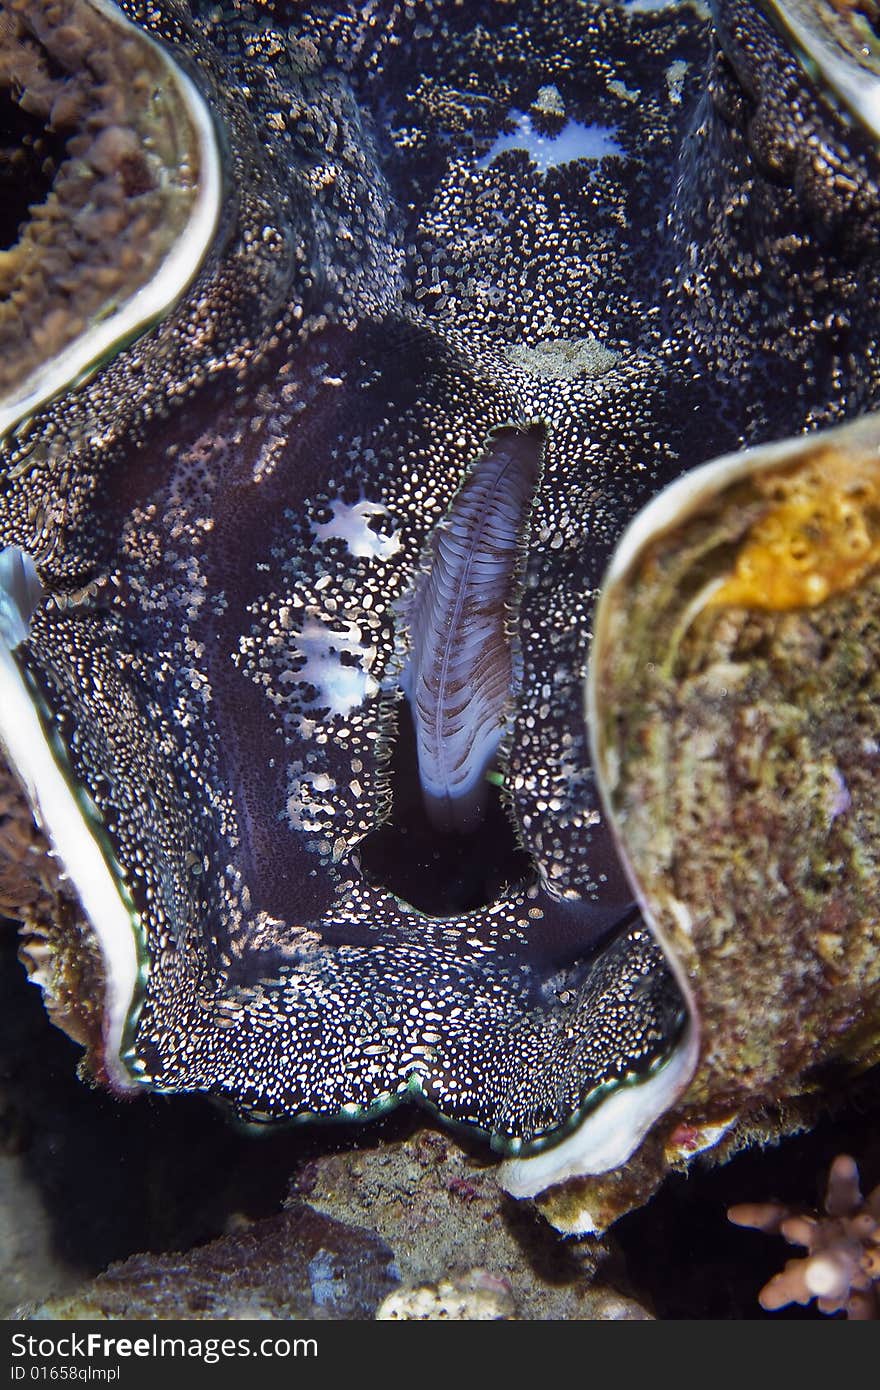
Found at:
[841, 1269]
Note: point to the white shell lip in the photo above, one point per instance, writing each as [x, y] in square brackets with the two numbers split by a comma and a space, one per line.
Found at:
[74, 840]
[151, 301]
[611, 1132]
[853, 77]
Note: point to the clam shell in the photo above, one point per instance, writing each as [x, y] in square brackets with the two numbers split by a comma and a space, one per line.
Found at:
[142, 176]
[104, 944]
[733, 700]
[734, 705]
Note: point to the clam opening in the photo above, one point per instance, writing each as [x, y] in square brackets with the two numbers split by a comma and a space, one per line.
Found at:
[440, 873]
[451, 847]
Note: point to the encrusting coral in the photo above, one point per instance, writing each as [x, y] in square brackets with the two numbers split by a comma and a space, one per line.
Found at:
[842, 1267]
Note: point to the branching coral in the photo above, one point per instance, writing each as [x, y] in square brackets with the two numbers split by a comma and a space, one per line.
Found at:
[842, 1267]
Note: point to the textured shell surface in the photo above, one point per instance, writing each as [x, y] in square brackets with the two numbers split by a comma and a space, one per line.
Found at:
[304, 511]
[735, 724]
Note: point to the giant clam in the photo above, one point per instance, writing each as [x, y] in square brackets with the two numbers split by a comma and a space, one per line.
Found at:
[325, 519]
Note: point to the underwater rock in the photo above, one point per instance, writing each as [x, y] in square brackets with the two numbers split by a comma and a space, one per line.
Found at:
[294, 1265]
[445, 1216]
[227, 517]
[473, 1297]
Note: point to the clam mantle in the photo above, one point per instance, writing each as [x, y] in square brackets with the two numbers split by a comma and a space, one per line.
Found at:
[238, 465]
